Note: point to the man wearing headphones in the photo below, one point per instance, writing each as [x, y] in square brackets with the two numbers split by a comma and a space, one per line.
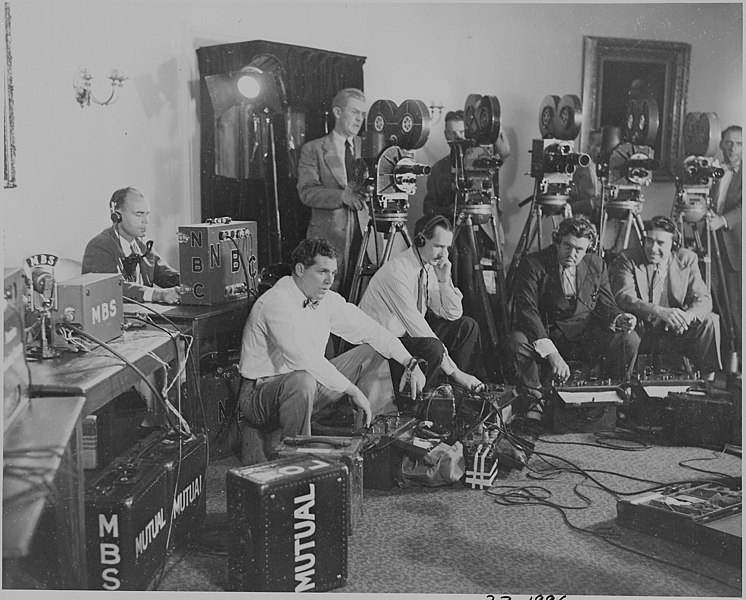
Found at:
[120, 249]
[412, 295]
[662, 286]
[562, 307]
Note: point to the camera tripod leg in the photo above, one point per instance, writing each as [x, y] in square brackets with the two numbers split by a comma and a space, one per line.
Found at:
[499, 269]
[477, 278]
[703, 252]
[358, 274]
[723, 304]
[528, 236]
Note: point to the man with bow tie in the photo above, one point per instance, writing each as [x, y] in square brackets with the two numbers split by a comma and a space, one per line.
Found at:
[324, 176]
[121, 249]
[725, 219]
[662, 286]
[286, 377]
[562, 307]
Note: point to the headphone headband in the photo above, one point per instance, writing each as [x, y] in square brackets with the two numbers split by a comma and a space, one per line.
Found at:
[424, 226]
[571, 225]
[667, 225]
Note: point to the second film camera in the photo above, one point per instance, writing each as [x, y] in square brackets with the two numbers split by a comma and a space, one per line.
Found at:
[699, 169]
[474, 163]
[553, 158]
[387, 170]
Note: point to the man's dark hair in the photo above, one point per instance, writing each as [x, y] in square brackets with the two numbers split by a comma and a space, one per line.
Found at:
[579, 227]
[736, 128]
[308, 249]
[454, 115]
[118, 197]
[662, 223]
[426, 225]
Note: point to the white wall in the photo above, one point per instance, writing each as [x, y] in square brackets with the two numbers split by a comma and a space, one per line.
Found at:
[69, 159]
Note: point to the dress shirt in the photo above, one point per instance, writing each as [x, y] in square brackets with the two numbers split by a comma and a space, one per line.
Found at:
[568, 278]
[128, 248]
[282, 336]
[339, 144]
[658, 284]
[391, 299]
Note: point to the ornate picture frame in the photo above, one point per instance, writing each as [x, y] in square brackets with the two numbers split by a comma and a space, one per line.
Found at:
[613, 67]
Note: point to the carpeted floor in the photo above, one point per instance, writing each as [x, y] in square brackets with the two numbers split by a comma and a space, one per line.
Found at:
[458, 540]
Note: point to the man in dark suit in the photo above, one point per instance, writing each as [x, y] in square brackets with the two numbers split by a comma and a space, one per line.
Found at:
[324, 174]
[726, 219]
[562, 308]
[662, 286]
[121, 249]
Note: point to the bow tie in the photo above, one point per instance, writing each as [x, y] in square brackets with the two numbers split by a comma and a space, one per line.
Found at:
[312, 303]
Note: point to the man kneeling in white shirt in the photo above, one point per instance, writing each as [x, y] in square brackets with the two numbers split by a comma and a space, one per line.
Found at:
[286, 377]
[415, 283]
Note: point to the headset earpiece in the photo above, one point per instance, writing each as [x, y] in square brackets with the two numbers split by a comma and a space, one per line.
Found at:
[116, 216]
[420, 238]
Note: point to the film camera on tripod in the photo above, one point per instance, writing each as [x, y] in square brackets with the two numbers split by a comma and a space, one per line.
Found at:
[625, 166]
[387, 173]
[553, 163]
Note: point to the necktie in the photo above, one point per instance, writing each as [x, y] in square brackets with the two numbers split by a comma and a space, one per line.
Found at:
[349, 160]
[422, 290]
[654, 290]
[312, 303]
[568, 283]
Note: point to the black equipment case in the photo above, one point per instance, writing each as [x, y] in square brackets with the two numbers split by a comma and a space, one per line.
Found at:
[185, 463]
[126, 519]
[344, 449]
[288, 524]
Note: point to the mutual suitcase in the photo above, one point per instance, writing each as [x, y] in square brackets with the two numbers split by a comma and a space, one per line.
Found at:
[288, 524]
[344, 449]
[126, 516]
[185, 463]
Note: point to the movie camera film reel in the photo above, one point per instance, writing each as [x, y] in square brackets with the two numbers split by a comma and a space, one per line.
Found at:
[642, 121]
[382, 118]
[701, 134]
[482, 118]
[413, 122]
[560, 118]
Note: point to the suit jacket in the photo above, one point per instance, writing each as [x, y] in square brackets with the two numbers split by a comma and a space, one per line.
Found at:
[730, 239]
[321, 181]
[539, 304]
[686, 288]
[440, 195]
[104, 254]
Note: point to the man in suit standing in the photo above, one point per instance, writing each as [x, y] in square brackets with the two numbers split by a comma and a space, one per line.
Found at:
[662, 286]
[562, 308]
[324, 174]
[725, 219]
[121, 249]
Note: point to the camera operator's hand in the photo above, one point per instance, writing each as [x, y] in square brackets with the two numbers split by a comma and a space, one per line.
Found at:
[361, 401]
[716, 221]
[465, 380]
[676, 320]
[443, 269]
[560, 369]
[353, 198]
[167, 295]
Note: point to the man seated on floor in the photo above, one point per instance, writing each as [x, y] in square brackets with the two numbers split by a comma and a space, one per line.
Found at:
[122, 249]
[413, 296]
[286, 377]
[563, 309]
[662, 286]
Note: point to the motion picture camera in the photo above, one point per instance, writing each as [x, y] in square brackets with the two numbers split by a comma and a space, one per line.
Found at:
[387, 171]
[553, 158]
[699, 169]
[474, 164]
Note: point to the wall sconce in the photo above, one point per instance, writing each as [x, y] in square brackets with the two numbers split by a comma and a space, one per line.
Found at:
[82, 84]
[433, 106]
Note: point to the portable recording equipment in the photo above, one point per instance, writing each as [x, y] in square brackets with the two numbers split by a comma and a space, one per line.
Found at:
[218, 261]
[38, 271]
[288, 519]
[387, 174]
[15, 373]
[553, 163]
[93, 303]
[705, 516]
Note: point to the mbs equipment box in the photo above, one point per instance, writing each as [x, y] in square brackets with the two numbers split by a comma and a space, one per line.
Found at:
[288, 524]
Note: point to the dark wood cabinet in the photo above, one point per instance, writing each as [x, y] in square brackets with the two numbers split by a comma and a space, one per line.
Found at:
[243, 188]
